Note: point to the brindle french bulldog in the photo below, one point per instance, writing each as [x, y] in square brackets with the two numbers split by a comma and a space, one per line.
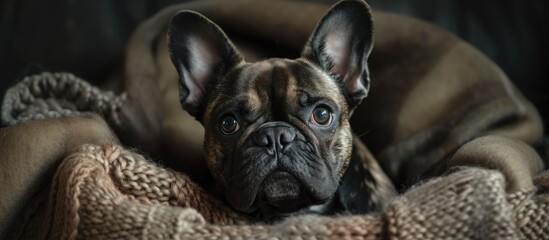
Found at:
[277, 133]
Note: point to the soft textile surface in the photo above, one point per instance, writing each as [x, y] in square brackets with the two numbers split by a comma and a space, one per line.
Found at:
[438, 107]
[53, 95]
[431, 92]
[108, 192]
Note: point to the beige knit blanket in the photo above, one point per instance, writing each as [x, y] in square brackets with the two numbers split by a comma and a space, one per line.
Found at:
[108, 192]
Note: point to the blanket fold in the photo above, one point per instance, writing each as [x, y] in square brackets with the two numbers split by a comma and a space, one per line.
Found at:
[437, 106]
[53, 95]
[106, 192]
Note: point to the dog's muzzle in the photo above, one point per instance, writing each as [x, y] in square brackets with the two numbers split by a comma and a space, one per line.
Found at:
[278, 170]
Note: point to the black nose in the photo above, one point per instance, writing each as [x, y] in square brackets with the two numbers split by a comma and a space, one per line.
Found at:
[275, 137]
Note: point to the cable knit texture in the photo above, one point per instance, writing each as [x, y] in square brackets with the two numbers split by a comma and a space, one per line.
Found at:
[108, 192]
[53, 95]
[450, 91]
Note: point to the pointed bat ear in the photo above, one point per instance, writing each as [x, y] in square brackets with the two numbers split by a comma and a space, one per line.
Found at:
[202, 54]
[340, 45]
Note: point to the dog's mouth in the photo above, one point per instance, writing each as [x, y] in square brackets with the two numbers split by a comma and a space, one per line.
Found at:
[281, 194]
[278, 175]
[281, 190]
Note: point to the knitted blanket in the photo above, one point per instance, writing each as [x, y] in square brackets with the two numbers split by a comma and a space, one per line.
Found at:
[109, 192]
[106, 191]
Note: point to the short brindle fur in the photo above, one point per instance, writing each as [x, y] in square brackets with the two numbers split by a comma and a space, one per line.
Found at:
[277, 132]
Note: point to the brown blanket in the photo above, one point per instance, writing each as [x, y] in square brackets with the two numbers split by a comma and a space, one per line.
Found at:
[431, 94]
[108, 192]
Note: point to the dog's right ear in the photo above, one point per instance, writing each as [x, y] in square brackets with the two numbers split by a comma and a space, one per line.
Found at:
[202, 54]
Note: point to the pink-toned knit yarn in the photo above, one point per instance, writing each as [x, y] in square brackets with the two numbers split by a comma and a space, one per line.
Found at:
[108, 192]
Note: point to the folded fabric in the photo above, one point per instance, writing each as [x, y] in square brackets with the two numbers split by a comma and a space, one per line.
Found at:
[419, 115]
[52, 95]
[108, 192]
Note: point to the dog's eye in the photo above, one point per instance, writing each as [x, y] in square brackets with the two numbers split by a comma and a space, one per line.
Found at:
[321, 116]
[229, 124]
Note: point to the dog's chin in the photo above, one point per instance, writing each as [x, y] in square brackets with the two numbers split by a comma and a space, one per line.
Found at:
[278, 170]
[281, 195]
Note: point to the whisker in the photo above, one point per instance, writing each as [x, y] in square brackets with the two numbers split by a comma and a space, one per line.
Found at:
[364, 133]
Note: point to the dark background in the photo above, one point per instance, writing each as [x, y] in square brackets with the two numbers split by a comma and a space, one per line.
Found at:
[88, 37]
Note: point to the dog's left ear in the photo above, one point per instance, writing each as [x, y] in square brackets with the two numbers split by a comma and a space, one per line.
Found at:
[340, 45]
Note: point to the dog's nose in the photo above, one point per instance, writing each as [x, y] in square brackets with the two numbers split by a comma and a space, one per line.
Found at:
[275, 137]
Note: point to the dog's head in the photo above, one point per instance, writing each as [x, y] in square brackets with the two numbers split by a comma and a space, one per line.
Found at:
[277, 131]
